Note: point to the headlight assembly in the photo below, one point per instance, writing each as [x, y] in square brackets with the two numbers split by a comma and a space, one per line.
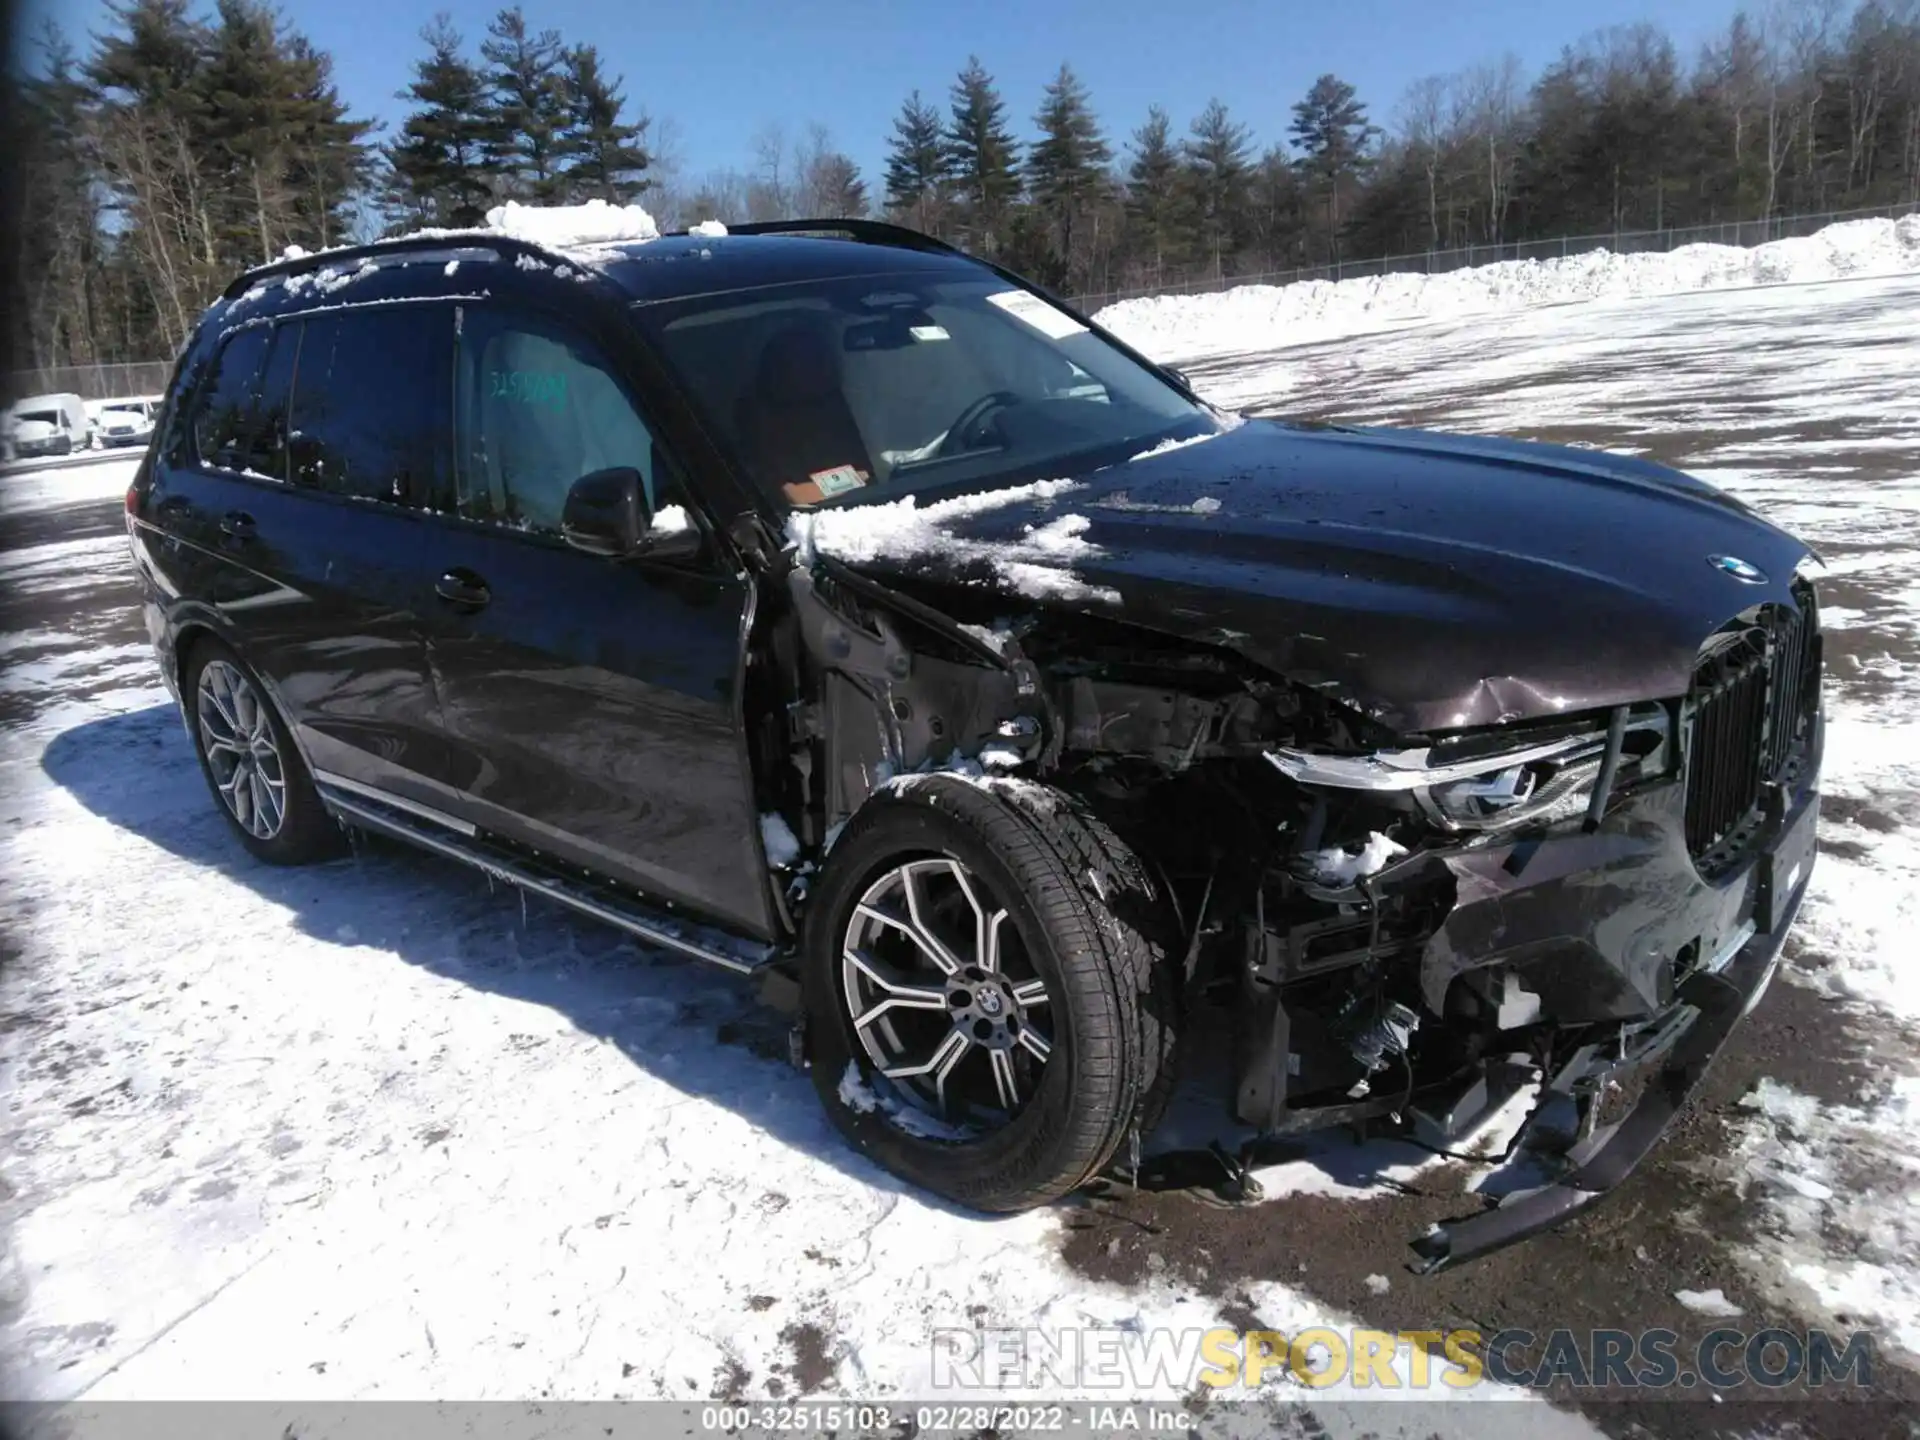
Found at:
[1495, 787]
[1547, 789]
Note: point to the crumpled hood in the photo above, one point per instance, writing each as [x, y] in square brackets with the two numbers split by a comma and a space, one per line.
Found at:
[1430, 581]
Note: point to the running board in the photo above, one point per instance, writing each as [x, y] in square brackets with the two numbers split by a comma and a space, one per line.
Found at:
[602, 903]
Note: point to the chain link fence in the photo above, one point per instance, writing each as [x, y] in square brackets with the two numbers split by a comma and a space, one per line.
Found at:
[91, 382]
[1743, 233]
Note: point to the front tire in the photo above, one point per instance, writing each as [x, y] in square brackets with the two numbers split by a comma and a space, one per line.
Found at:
[257, 776]
[980, 971]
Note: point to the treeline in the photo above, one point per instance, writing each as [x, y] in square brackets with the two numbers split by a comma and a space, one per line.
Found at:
[1811, 108]
[185, 145]
[177, 151]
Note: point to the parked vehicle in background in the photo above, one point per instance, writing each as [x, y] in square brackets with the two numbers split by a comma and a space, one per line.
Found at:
[835, 604]
[126, 421]
[48, 425]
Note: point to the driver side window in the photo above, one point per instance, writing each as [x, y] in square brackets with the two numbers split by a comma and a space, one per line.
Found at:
[537, 407]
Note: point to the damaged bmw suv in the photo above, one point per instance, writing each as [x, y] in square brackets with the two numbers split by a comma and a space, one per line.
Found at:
[825, 603]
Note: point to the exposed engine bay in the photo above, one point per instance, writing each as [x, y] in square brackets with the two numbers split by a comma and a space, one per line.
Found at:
[1406, 925]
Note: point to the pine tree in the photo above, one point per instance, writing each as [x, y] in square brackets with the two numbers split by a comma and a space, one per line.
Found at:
[147, 127]
[982, 155]
[1274, 209]
[151, 55]
[280, 151]
[1155, 194]
[1331, 132]
[1067, 169]
[331, 162]
[917, 167]
[53, 214]
[528, 112]
[1216, 159]
[443, 165]
[604, 158]
[833, 187]
[218, 145]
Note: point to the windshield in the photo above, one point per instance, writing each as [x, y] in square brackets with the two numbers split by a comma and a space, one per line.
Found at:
[136, 409]
[40, 417]
[828, 391]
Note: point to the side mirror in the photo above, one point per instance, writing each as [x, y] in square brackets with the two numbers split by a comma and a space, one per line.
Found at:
[606, 513]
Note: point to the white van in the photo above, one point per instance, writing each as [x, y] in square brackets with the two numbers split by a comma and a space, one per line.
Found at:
[48, 425]
[125, 421]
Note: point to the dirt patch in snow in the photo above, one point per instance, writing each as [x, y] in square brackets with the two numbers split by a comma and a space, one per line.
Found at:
[731, 1380]
[812, 1367]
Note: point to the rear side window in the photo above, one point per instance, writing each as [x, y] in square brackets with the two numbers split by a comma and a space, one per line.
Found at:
[539, 407]
[223, 404]
[265, 445]
[370, 404]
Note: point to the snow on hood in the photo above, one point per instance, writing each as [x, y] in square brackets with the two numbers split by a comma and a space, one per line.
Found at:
[1036, 563]
[708, 230]
[558, 226]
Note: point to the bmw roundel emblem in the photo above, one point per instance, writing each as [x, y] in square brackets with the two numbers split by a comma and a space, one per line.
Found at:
[1739, 569]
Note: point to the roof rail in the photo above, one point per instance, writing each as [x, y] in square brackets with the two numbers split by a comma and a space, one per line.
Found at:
[867, 232]
[373, 249]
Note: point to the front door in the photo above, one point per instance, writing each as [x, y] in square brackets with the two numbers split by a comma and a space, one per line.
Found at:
[592, 705]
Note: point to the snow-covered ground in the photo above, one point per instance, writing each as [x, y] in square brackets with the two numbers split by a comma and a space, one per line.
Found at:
[83, 475]
[372, 1130]
[1251, 318]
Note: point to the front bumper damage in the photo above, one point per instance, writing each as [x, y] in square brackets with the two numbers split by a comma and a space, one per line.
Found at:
[1637, 965]
[1608, 1154]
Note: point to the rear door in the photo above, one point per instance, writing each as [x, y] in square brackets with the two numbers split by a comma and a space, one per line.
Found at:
[592, 705]
[311, 491]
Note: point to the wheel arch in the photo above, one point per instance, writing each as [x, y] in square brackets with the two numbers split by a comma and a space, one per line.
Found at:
[194, 631]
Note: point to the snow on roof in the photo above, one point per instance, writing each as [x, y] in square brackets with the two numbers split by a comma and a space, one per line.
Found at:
[708, 230]
[552, 227]
[560, 226]
[1037, 564]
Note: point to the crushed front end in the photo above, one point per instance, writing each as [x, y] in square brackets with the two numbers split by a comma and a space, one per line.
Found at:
[1428, 927]
[1583, 909]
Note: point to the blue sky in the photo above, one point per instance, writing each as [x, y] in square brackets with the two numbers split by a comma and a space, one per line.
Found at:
[722, 69]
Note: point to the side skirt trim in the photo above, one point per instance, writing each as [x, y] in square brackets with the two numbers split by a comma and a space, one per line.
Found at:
[381, 813]
[326, 780]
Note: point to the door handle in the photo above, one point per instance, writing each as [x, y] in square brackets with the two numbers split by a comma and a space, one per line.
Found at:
[237, 525]
[462, 589]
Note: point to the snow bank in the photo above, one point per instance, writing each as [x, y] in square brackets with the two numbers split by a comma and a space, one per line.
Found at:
[558, 226]
[1262, 317]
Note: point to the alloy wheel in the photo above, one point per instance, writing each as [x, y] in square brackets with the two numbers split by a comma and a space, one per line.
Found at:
[944, 999]
[236, 732]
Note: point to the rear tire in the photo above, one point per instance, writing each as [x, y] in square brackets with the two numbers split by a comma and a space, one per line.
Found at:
[1064, 1007]
[248, 757]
